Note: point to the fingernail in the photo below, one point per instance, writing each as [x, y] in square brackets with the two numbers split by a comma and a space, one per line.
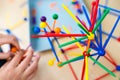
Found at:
[30, 48]
[38, 56]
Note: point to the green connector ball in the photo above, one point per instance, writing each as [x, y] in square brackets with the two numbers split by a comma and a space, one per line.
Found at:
[55, 16]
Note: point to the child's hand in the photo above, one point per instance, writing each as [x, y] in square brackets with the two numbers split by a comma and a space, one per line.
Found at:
[8, 39]
[20, 70]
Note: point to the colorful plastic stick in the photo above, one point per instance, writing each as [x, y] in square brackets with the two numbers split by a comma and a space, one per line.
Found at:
[112, 9]
[95, 16]
[58, 35]
[83, 70]
[71, 42]
[74, 18]
[110, 61]
[70, 66]
[71, 60]
[86, 14]
[103, 67]
[52, 47]
[106, 11]
[86, 61]
[86, 68]
[92, 11]
[77, 43]
[103, 32]
[82, 23]
[100, 29]
[107, 40]
[104, 75]
[17, 24]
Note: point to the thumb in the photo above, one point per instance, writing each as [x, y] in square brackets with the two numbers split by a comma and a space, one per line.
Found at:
[4, 55]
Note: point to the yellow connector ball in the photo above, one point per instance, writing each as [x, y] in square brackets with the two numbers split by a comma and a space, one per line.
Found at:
[51, 62]
[57, 30]
[43, 24]
[91, 36]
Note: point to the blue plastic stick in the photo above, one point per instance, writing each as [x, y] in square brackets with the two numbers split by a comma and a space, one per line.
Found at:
[86, 14]
[62, 32]
[96, 60]
[109, 36]
[94, 54]
[57, 41]
[114, 37]
[114, 14]
[100, 29]
[112, 9]
[91, 45]
[96, 48]
[52, 47]
[96, 39]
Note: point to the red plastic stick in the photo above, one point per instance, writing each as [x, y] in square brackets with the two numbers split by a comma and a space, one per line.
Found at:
[104, 75]
[92, 11]
[83, 71]
[110, 61]
[58, 35]
[72, 70]
[95, 15]
[111, 58]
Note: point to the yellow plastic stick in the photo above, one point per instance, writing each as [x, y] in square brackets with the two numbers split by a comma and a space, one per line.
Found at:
[74, 18]
[86, 68]
[17, 24]
[74, 54]
[77, 43]
[86, 61]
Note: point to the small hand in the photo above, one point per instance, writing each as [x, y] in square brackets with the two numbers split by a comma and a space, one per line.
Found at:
[16, 69]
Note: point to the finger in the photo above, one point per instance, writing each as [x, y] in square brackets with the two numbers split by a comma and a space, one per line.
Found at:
[17, 58]
[5, 65]
[14, 42]
[32, 67]
[26, 61]
[5, 55]
[9, 39]
[32, 75]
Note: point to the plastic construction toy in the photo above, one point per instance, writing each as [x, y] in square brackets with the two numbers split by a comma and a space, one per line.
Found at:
[87, 41]
[51, 11]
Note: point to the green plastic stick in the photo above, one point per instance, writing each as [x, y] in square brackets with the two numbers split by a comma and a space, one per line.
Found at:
[74, 18]
[103, 67]
[71, 60]
[74, 59]
[100, 21]
[71, 42]
[83, 28]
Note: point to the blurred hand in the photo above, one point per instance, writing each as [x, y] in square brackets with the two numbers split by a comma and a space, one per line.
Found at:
[16, 69]
[8, 39]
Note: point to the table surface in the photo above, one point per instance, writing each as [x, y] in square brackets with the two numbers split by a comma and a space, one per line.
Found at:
[11, 11]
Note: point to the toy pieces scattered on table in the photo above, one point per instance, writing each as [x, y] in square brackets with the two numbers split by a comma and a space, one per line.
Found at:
[44, 10]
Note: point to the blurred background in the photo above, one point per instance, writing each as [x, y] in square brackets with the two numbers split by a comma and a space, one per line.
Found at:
[13, 13]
